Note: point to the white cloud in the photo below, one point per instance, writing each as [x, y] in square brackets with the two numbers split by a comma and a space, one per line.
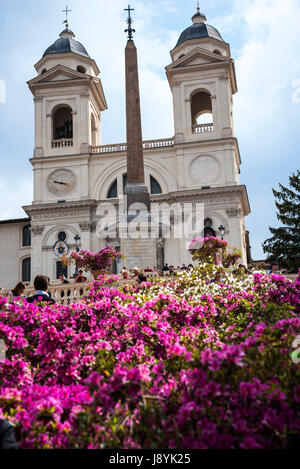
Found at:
[169, 6]
[13, 196]
[157, 110]
[267, 65]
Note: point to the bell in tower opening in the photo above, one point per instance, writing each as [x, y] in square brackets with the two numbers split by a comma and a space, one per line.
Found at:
[62, 123]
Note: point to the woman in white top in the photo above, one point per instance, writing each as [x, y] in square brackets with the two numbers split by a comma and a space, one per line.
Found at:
[18, 291]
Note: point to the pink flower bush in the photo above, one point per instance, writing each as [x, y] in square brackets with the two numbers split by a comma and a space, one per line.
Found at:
[214, 250]
[90, 261]
[182, 363]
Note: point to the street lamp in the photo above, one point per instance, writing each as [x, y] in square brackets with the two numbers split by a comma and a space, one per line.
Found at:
[77, 240]
[222, 231]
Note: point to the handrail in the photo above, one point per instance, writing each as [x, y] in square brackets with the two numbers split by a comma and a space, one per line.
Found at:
[119, 147]
[202, 128]
[62, 143]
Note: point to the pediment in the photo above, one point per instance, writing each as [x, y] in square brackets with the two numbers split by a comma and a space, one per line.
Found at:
[197, 57]
[58, 73]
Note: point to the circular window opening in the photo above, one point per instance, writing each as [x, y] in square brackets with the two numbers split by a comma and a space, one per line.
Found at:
[44, 70]
[62, 236]
[81, 69]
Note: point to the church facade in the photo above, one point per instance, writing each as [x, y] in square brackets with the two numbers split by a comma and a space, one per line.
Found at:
[75, 177]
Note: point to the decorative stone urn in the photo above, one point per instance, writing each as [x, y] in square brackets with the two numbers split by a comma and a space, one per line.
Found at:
[96, 273]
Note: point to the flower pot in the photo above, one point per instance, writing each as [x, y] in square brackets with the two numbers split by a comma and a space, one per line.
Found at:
[96, 273]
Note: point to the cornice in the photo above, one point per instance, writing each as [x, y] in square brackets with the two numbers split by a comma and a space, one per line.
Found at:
[210, 142]
[60, 158]
[55, 207]
[82, 58]
[198, 41]
[206, 194]
[193, 195]
[228, 65]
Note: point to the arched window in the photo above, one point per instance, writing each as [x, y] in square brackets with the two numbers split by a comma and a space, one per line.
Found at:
[201, 109]
[44, 71]
[155, 186]
[216, 51]
[93, 130]
[208, 229]
[26, 269]
[26, 236]
[62, 236]
[62, 123]
[81, 69]
[113, 191]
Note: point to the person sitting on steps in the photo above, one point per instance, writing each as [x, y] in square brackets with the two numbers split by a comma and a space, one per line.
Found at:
[41, 290]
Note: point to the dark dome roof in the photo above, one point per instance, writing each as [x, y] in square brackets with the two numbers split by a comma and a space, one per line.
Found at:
[198, 31]
[66, 44]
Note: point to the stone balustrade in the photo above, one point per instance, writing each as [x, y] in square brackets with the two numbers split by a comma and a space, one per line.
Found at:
[68, 293]
[61, 293]
[119, 147]
[202, 128]
[62, 143]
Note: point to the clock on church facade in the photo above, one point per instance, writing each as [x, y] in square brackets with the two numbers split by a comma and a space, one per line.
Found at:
[61, 182]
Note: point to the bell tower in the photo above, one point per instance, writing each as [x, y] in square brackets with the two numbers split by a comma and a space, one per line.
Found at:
[68, 99]
[68, 102]
[202, 79]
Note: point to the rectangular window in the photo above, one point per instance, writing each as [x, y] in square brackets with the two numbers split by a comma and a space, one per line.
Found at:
[26, 270]
[26, 236]
[61, 269]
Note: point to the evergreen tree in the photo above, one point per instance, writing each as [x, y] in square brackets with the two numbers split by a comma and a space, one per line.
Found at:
[284, 246]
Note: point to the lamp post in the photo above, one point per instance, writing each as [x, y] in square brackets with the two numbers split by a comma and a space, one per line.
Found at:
[222, 231]
[77, 240]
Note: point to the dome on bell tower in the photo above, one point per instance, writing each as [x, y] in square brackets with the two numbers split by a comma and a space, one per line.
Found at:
[66, 44]
[199, 29]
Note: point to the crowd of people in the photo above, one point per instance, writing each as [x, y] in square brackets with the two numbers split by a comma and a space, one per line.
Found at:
[41, 287]
[41, 283]
[142, 274]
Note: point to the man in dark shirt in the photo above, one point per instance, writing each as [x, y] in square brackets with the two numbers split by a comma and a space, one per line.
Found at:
[7, 436]
[80, 278]
[63, 279]
[41, 287]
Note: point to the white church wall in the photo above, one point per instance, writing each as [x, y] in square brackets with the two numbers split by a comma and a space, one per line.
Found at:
[11, 254]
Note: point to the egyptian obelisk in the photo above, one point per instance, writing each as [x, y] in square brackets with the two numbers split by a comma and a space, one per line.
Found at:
[136, 189]
[139, 251]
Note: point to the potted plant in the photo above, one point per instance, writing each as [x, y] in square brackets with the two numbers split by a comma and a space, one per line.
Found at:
[213, 250]
[95, 262]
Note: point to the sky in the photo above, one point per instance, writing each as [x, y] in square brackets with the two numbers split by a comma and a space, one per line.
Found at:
[265, 43]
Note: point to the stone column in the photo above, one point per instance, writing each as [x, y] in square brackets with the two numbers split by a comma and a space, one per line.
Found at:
[136, 190]
[37, 267]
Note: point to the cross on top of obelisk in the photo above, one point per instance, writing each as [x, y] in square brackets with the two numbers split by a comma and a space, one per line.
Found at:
[66, 11]
[129, 30]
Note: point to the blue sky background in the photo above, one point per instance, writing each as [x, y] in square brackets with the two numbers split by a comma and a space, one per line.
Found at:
[265, 42]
